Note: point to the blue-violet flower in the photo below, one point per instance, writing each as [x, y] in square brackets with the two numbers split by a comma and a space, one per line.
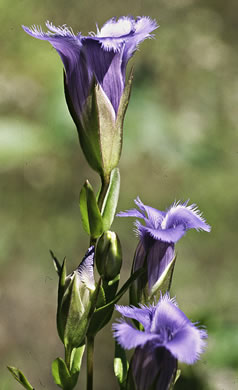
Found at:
[99, 59]
[168, 336]
[161, 231]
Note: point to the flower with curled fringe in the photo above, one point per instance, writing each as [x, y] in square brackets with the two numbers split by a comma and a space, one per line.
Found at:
[159, 233]
[165, 335]
[95, 81]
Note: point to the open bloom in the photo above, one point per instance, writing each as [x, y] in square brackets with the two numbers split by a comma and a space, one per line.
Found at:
[99, 58]
[161, 231]
[168, 336]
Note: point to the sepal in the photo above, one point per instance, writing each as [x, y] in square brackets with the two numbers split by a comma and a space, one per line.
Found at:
[140, 292]
[62, 376]
[76, 359]
[164, 282]
[109, 136]
[123, 107]
[90, 213]
[100, 128]
[111, 199]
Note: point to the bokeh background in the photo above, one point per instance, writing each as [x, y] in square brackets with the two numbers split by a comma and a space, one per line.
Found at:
[180, 142]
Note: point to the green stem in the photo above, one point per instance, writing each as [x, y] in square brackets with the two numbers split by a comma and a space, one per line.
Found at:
[105, 183]
[90, 350]
[104, 187]
[67, 357]
[90, 339]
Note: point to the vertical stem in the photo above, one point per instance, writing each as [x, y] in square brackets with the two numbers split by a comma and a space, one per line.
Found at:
[105, 183]
[90, 339]
[90, 350]
[68, 352]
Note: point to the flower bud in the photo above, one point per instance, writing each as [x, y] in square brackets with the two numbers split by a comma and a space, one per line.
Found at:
[108, 255]
[76, 302]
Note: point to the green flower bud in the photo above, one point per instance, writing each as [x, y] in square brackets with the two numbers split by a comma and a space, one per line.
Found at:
[108, 256]
[76, 302]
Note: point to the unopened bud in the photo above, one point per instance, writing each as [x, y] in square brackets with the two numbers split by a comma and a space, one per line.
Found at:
[75, 303]
[108, 255]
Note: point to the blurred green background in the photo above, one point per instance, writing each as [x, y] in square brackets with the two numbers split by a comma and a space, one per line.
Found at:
[180, 142]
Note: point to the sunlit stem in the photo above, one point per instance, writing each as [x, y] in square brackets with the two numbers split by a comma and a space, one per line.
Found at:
[105, 180]
[105, 183]
[68, 352]
[90, 350]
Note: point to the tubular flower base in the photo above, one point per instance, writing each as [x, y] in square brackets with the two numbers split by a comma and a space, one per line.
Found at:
[95, 81]
[161, 231]
[168, 336]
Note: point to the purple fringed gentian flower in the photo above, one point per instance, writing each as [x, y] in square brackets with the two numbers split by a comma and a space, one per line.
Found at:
[95, 82]
[161, 231]
[168, 336]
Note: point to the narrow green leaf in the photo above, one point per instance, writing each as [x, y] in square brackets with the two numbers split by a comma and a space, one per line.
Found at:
[56, 262]
[99, 320]
[20, 377]
[111, 199]
[61, 374]
[84, 209]
[94, 215]
[122, 291]
[164, 282]
[121, 365]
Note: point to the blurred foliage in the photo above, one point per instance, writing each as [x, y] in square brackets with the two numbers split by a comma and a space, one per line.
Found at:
[180, 142]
